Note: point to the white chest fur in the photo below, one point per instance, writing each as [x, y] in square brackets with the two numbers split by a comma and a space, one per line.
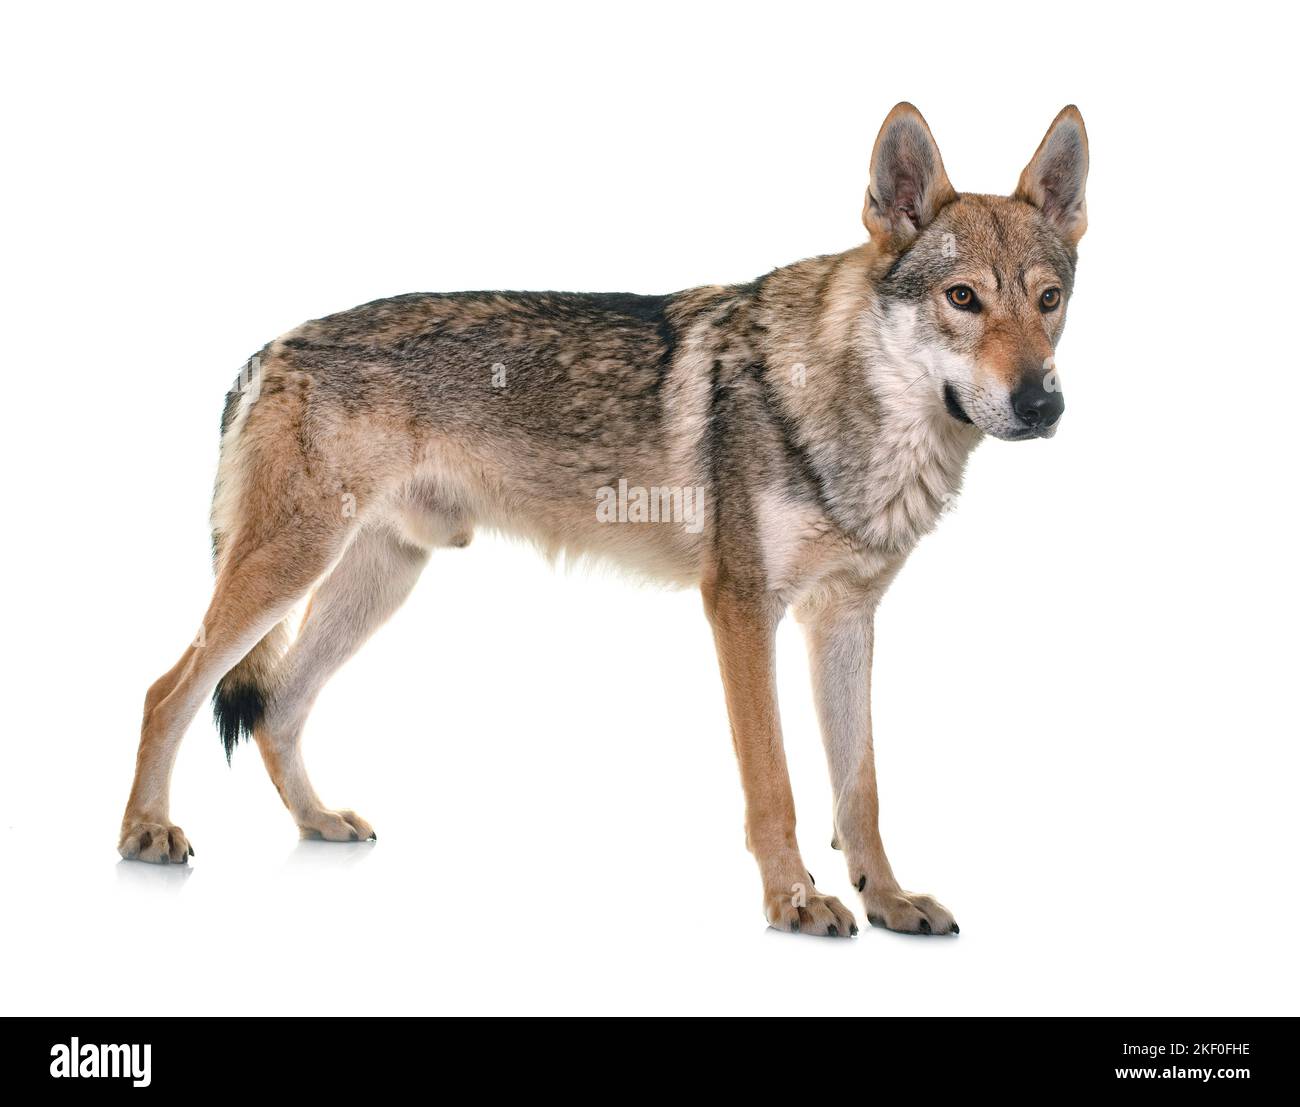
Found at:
[911, 473]
[913, 483]
[915, 472]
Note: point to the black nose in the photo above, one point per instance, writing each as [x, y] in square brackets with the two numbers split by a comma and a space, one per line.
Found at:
[1035, 406]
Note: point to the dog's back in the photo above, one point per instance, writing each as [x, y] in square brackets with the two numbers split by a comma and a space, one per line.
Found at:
[518, 411]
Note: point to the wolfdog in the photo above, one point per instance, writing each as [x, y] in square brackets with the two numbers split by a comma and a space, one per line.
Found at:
[797, 436]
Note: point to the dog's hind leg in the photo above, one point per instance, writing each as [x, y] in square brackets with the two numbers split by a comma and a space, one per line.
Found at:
[253, 593]
[360, 593]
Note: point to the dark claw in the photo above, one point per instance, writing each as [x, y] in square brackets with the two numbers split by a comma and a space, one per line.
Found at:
[853, 930]
[956, 929]
[812, 879]
[373, 837]
[925, 926]
[835, 843]
[191, 851]
[862, 883]
[794, 927]
[832, 931]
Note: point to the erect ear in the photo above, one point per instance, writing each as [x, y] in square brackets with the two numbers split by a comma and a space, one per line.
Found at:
[1054, 179]
[908, 184]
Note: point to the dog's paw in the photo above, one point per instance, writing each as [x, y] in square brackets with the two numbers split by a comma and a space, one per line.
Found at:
[810, 913]
[157, 843]
[909, 913]
[337, 826]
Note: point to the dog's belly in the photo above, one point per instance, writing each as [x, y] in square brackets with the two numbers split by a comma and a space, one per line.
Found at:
[655, 529]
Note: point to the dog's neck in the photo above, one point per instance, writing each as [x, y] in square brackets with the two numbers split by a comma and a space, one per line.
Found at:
[869, 410]
[918, 451]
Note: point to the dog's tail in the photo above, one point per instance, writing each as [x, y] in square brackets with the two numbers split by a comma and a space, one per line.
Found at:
[239, 702]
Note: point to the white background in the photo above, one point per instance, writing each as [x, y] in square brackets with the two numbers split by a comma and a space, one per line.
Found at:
[1085, 678]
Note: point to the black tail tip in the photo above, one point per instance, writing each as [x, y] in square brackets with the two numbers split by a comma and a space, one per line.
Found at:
[237, 709]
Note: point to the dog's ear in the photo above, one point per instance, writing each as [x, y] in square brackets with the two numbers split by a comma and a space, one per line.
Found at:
[1054, 179]
[908, 184]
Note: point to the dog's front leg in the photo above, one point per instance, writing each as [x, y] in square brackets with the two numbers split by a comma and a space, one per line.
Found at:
[744, 630]
[840, 639]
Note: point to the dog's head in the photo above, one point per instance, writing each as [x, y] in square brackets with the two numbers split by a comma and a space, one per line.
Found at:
[976, 287]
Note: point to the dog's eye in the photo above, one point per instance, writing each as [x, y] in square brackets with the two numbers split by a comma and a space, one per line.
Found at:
[962, 297]
[1050, 300]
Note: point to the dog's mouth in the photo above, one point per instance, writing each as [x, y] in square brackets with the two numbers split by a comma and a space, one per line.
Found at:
[1032, 432]
[954, 407]
[1016, 434]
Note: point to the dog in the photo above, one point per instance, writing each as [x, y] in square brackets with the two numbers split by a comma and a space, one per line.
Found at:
[782, 444]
